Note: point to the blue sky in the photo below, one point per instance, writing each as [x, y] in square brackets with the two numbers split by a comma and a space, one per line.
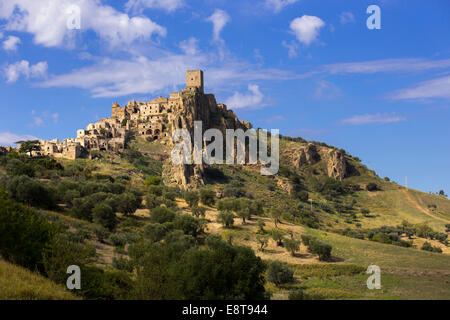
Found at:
[309, 68]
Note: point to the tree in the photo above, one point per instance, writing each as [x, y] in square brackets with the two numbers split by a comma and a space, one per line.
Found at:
[100, 232]
[226, 218]
[198, 211]
[162, 215]
[278, 236]
[104, 215]
[261, 225]
[278, 273]
[192, 198]
[275, 213]
[29, 146]
[127, 203]
[207, 197]
[244, 213]
[292, 245]
[263, 241]
[323, 250]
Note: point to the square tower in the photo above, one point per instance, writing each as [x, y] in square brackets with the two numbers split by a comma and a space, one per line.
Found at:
[194, 78]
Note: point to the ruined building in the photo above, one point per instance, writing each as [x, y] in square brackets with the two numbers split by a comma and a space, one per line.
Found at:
[152, 120]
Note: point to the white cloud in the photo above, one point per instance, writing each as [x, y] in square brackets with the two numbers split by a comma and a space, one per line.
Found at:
[55, 117]
[435, 88]
[346, 17]
[219, 20]
[189, 46]
[327, 90]
[253, 99]
[8, 138]
[278, 5]
[11, 43]
[15, 70]
[140, 5]
[292, 48]
[307, 28]
[140, 75]
[47, 20]
[386, 65]
[380, 118]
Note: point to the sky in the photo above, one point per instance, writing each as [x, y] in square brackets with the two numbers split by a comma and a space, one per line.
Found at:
[309, 68]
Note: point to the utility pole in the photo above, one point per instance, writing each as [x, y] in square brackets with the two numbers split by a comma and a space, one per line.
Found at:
[406, 182]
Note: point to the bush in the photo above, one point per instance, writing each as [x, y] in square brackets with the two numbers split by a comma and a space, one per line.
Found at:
[226, 218]
[198, 211]
[23, 234]
[100, 232]
[303, 196]
[192, 198]
[152, 201]
[372, 186]
[162, 215]
[118, 239]
[323, 250]
[306, 239]
[207, 197]
[296, 294]
[104, 215]
[278, 273]
[152, 181]
[292, 245]
[122, 264]
[127, 203]
[188, 224]
[155, 232]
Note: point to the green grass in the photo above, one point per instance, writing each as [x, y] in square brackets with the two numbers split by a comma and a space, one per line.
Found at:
[17, 283]
[386, 256]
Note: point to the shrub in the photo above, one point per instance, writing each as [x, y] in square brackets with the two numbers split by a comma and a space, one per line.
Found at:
[152, 201]
[155, 232]
[278, 236]
[278, 273]
[372, 186]
[198, 211]
[226, 218]
[100, 232]
[306, 239]
[263, 241]
[118, 239]
[152, 181]
[162, 215]
[323, 250]
[104, 215]
[122, 264]
[188, 224]
[296, 294]
[207, 197]
[303, 196]
[292, 245]
[192, 198]
[23, 234]
[127, 203]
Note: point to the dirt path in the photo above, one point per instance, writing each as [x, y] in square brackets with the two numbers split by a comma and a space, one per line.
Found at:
[415, 204]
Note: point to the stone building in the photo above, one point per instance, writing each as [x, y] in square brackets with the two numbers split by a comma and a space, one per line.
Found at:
[153, 120]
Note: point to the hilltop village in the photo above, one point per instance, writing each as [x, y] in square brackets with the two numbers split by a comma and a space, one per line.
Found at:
[151, 120]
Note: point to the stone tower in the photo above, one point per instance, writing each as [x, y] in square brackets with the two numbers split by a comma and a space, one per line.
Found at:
[194, 79]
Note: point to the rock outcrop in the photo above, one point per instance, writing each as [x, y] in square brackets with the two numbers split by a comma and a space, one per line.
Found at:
[336, 165]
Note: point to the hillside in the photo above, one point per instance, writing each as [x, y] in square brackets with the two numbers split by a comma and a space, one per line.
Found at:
[17, 283]
[113, 202]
